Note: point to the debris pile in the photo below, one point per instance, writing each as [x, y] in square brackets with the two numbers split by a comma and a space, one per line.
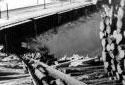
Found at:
[75, 60]
[10, 58]
[43, 74]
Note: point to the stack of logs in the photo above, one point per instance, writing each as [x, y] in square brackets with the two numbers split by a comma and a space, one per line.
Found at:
[42, 74]
[112, 35]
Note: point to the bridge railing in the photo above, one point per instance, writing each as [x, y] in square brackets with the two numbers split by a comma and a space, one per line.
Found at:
[9, 6]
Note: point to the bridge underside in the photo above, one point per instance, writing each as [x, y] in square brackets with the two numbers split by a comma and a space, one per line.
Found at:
[12, 37]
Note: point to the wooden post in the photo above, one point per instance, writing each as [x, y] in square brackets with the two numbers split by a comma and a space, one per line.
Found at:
[37, 2]
[7, 11]
[0, 12]
[6, 44]
[44, 4]
[35, 27]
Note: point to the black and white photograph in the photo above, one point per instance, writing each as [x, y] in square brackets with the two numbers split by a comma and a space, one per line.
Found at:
[62, 42]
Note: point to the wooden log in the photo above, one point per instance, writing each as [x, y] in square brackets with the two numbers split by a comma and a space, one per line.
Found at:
[112, 46]
[59, 75]
[119, 38]
[59, 82]
[112, 62]
[101, 34]
[104, 56]
[111, 55]
[121, 54]
[122, 3]
[103, 14]
[107, 21]
[120, 13]
[124, 64]
[104, 49]
[42, 70]
[117, 75]
[121, 51]
[113, 68]
[39, 74]
[123, 81]
[25, 67]
[113, 19]
[108, 47]
[103, 42]
[119, 69]
[35, 81]
[102, 27]
[115, 34]
[30, 71]
[108, 29]
[106, 64]
[119, 24]
[83, 61]
[44, 82]
[124, 33]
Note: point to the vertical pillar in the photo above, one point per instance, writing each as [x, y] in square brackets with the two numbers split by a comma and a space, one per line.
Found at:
[61, 2]
[6, 44]
[37, 2]
[35, 27]
[7, 11]
[112, 34]
[0, 12]
[44, 4]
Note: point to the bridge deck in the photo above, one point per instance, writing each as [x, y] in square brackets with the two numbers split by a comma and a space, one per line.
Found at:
[19, 16]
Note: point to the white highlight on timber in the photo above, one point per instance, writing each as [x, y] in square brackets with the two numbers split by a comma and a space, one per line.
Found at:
[102, 26]
[101, 34]
[110, 1]
[106, 64]
[120, 13]
[103, 42]
[108, 29]
[122, 3]
[119, 69]
[119, 24]
[104, 56]
[118, 38]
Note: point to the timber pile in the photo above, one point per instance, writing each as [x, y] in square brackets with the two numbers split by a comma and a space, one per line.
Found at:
[112, 35]
[42, 74]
